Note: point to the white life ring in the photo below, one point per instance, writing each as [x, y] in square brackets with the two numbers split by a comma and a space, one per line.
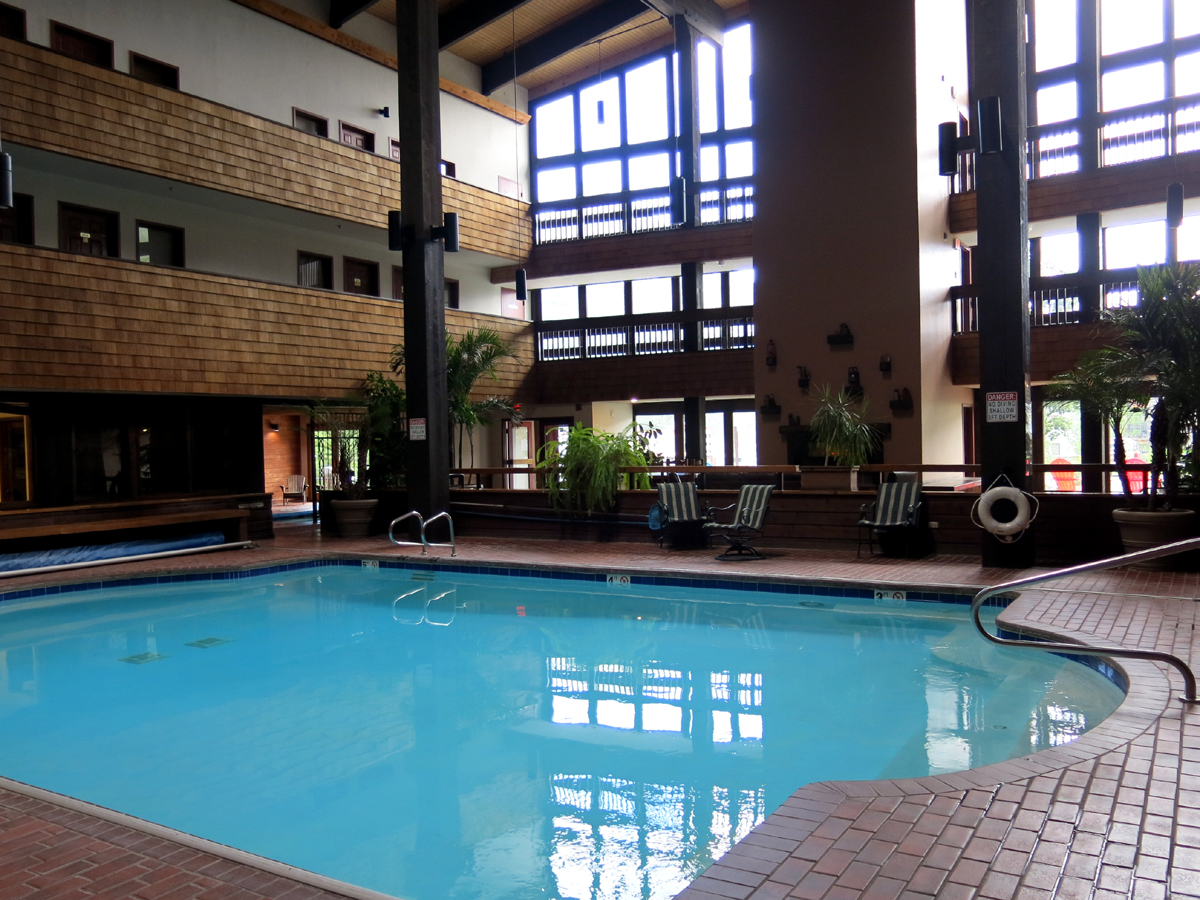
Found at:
[983, 509]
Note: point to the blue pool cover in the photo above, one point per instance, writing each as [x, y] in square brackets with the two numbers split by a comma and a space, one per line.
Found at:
[36, 559]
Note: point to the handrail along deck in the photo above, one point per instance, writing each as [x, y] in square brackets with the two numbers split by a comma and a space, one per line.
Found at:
[1189, 679]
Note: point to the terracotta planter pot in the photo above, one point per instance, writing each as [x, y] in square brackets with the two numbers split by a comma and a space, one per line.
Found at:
[1141, 529]
[353, 517]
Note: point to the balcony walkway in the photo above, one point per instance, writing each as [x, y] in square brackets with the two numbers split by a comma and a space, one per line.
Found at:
[1115, 814]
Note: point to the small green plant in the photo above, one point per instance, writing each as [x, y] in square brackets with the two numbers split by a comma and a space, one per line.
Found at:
[583, 473]
[839, 429]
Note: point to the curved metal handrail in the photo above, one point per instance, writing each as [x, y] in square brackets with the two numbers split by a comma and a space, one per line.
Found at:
[1189, 679]
[396, 521]
[452, 545]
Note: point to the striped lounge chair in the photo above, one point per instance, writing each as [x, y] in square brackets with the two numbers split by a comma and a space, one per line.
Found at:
[683, 514]
[748, 518]
[896, 506]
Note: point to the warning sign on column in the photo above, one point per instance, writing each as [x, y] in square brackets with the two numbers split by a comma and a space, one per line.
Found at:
[1001, 406]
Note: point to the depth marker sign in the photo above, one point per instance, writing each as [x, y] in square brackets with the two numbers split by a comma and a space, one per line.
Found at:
[1001, 406]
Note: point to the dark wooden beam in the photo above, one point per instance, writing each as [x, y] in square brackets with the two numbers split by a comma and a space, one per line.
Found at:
[342, 11]
[703, 15]
[1001, 264]
[424, 271]
[471, 15]
[558, 41]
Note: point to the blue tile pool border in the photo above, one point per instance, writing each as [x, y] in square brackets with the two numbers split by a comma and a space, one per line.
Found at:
[817, 589]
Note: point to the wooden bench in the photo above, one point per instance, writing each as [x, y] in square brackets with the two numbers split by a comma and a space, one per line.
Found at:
[239, 516]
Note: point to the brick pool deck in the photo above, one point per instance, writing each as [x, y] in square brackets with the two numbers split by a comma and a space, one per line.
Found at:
[1115, 814]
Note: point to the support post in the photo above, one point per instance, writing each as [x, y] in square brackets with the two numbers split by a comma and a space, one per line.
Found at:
[689, 118]
[1002, 269]
[693, 428]
[1088, 227]
[424, 280]
[691, 299]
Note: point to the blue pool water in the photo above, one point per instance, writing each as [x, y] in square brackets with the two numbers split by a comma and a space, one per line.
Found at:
[474, 736]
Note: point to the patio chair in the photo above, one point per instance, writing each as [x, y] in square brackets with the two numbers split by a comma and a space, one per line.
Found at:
[897, 508]
[682, 526]
[748, 518]
[1137, 480]
[294, 490]
[1063, 481]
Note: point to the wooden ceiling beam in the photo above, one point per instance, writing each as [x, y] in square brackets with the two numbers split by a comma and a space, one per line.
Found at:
[554, 43]
[704, 15]
[470, 16]
[342, 11]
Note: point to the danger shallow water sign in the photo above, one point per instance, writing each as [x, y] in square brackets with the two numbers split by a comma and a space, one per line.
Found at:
[1001, 406]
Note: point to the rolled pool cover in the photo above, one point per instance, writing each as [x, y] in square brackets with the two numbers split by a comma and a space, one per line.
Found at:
[36, 559]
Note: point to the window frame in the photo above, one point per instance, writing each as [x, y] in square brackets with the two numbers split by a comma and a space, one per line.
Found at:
[61, 29]
[326, 269]
[321, 122]
[174, 229]
[368, 137]
[136, 59]
[7, 10]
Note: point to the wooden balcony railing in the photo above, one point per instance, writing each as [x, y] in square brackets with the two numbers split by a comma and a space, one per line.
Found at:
[84, 323]
[58, 104]
[1055, 300]
[730, 328]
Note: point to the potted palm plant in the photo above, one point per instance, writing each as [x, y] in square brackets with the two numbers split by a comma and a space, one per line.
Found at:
[1155, 364]
[475, 355]
[839, 430]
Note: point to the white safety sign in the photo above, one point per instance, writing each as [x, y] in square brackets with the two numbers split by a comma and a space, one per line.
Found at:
[1001, 406]
[416, 429]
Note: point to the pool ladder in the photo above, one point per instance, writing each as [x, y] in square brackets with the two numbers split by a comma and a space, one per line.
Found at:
[423, 544]
[1189, 679]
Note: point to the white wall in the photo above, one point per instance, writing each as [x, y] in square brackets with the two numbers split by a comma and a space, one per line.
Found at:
[244, 59]
[223, 234]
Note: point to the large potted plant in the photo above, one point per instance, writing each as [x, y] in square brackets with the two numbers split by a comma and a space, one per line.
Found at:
[1156, 358]
[583, 473]
[839, 431]
[370, 450]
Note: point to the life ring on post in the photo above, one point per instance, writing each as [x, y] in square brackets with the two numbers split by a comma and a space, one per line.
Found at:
[1007, 532]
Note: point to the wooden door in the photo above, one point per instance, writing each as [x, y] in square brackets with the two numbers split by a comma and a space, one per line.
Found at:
[510, 306]
[360, 277]
[356, 137]
[91, 232]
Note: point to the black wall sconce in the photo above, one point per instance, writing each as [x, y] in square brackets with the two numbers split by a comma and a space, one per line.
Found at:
[447, 232]
[772, 358]
[843, 337]
[522, 278]
[854, 386]
[885, 364]
[901, 400]
[6, 184]
[385, 111]
[274, 426]
[803, 378]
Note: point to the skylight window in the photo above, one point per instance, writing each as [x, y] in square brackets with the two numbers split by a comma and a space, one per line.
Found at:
[646, 102]
[600, 115]
[1057, 104]
[1133, 86]
[649, 171]
[738, 63]
[555, 127]
[1055, 27]
[1128, 24]
[706, 69]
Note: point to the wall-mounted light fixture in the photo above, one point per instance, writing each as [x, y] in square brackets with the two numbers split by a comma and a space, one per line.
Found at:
[386, 112]
[274, 426]
[522, 285]
[448, 232]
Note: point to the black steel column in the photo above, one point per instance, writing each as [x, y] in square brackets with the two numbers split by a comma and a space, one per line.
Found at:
[1002, 263]
[424, 273]
[691, 296]
[689, 117]
[1088, 69]
[1088, 227]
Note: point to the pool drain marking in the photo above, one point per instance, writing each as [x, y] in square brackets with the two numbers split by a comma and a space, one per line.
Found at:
[814, 604]
[205, 643]
[143, 658]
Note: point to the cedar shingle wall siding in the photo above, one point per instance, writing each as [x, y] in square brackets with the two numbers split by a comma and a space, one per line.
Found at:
[76, 323]
[1053, 349]
[713, 373]
[61, 105]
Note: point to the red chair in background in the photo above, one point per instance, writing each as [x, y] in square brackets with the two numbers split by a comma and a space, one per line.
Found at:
[1064, 481]
[1137, 480]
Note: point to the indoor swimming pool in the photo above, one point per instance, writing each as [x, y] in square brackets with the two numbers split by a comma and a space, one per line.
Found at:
[461, 734]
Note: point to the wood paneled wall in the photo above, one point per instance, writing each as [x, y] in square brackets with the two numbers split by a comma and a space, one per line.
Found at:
[81, 323]
[713, 373]
[1053, 349]
[1112, 187]
[628, 251]
[64, 106]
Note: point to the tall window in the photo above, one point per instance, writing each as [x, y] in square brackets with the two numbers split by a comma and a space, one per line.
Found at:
[605, 151]
[1127, 93]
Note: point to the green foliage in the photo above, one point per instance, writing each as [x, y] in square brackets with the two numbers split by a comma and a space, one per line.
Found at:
[1160, 341]
[839, 429]
[386, 435]
[473, 356]
[583, 473]
[1109, 384]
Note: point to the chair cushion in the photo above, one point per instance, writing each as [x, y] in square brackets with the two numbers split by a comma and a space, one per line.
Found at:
[681, 501]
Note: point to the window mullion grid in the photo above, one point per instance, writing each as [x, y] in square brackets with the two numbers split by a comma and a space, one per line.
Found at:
[578, 156]
[623, 150]
[721, 169]
[1169, 73]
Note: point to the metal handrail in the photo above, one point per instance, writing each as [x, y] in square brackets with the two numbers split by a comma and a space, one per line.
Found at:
[452, 545]
[396, 521]
[1189, 680]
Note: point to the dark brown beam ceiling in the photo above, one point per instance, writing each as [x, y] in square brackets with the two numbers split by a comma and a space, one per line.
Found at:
[468, 17]
[342, 11]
